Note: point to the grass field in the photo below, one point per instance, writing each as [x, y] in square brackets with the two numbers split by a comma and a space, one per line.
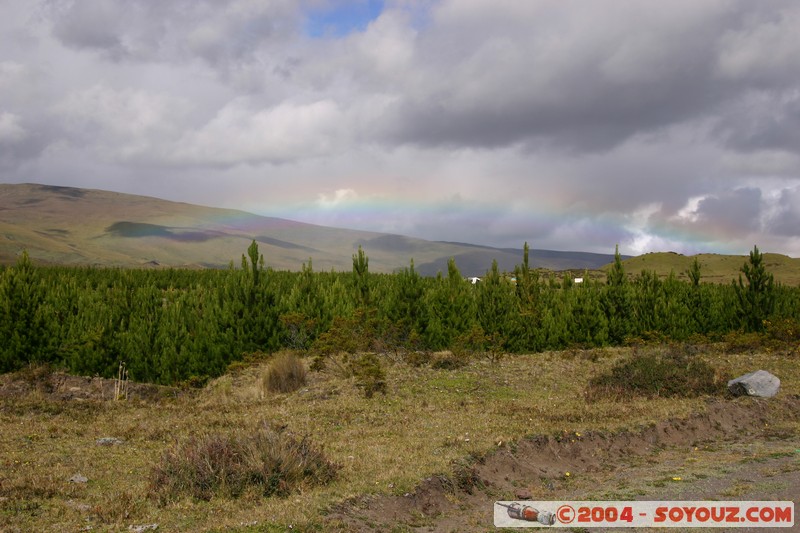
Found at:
[428, 421]
[714, 268]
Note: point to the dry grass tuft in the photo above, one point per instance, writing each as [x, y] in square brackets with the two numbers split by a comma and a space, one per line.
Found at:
[286, 373]
[268, 461]
[448, 360]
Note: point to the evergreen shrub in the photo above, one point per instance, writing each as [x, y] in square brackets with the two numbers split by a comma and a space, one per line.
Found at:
[786, 330]
[369, 374]
[743, 342]
[657, 372]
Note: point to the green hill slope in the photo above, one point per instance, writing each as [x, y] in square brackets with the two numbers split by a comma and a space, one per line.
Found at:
[714, 268]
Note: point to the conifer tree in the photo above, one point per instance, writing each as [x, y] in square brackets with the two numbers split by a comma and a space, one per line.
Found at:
[450, 308]
[527, 287]
[616, 301]
[527, 320]
[404, 301]
[588, 325]
[694, 273]
[361, 276]
[647, 290]
[757, 297]
[252, 251]
[496, 306]
[24, 333]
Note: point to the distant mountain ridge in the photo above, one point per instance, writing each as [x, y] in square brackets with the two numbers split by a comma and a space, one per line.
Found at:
[549, 259]
[73, 226]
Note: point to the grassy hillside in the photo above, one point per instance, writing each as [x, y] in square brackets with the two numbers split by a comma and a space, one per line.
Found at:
[65, 225]
[78, 226]
[715, 268]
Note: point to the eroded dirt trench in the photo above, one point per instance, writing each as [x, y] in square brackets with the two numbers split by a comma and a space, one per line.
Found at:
[588, 465]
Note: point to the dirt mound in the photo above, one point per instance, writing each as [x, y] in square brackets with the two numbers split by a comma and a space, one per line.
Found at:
[58, 386]
[438, 501]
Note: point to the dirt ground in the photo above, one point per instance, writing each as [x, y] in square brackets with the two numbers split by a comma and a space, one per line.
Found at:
[738, 449]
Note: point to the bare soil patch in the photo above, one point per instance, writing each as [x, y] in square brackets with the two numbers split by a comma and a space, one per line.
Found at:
[593, 465]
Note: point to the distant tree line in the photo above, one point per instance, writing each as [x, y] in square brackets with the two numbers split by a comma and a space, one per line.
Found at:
[169, 326]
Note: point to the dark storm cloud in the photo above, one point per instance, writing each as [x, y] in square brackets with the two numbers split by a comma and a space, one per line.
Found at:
[222, 33]
[557, 78]
[787, 220]
[94, 24]
[580, 113]
[573, 124]
[764, 121]
[546, 76]
[734, 213]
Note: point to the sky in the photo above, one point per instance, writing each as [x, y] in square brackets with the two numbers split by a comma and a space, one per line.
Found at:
[570, 125]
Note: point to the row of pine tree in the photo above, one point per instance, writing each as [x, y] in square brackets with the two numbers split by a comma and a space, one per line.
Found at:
[174, 325]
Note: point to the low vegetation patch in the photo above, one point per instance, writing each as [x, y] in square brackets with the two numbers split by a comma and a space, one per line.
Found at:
[468, 345]
[671, 371]
[365, 368]
[447, 360]
[266, 461]
[369, 374]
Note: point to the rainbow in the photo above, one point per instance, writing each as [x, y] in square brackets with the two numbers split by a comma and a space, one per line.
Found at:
[598, 231]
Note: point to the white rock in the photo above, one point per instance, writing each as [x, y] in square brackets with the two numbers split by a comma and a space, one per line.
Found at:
[759, 383]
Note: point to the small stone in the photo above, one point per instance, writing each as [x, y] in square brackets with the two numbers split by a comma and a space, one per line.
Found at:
[78, 505]
[144, 527]
[523, 494]
[109, 441]
[78, 478]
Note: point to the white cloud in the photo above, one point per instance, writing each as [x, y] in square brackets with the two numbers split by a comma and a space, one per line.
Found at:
[339, 197]
[240, 134]
[689, 211]
[11, 131]
[389, 45]
[124, 123]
